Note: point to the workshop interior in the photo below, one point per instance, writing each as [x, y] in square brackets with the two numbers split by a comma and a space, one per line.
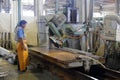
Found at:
[66, 39]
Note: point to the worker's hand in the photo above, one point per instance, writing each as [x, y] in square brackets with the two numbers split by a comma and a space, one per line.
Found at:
[25, 47]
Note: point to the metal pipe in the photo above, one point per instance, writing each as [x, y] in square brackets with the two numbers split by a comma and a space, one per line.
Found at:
[19, 10]
[90, 10]
[117, 6]
[1, 3]
[56, 6]
[38, 19]
[90, 17]
[35, 7]
[85, 1]
[73, 3]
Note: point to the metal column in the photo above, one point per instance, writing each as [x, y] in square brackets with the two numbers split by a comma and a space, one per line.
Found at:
[14, 15]
[80, 5]
[90, 15]
[85, 7]
[56, 6]
[19, 10]
[41, 22]
[14, 21]
[35, 7]
[117, 6]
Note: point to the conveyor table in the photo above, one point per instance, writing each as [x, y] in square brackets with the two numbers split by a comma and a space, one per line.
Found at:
[57, 56]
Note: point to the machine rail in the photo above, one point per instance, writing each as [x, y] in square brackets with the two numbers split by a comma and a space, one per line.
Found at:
[99, 73]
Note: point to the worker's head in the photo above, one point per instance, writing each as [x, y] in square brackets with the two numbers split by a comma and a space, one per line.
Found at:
[23, 23]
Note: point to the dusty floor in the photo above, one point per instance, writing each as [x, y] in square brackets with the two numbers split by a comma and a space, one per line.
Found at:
[14, 74]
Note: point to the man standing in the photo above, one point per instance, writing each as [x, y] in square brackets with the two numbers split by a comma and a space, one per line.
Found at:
[22, 48]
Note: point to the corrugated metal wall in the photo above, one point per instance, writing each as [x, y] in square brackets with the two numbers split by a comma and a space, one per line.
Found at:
[5, 22]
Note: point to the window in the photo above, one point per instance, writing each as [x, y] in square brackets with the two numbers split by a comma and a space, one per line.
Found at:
[27, 7]
[5, 6]
[104, 7]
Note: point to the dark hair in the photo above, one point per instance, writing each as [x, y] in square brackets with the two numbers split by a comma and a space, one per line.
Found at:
[22, 22]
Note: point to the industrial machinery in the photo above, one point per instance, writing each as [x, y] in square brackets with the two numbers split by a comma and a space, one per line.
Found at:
[58, 37]
[101, 39]
[89, 47]
[111, 35]
[74, 63]
[55, 32]
[89, 50]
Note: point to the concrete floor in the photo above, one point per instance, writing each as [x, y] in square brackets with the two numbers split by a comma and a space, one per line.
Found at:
[14, 74]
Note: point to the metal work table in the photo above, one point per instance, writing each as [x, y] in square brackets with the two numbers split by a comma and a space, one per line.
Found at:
[57, 56]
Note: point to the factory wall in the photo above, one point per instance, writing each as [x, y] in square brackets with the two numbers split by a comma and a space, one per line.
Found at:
[5, 22]
[31, 29]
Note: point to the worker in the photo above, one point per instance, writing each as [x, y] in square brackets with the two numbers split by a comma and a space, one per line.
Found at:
[22, 48]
